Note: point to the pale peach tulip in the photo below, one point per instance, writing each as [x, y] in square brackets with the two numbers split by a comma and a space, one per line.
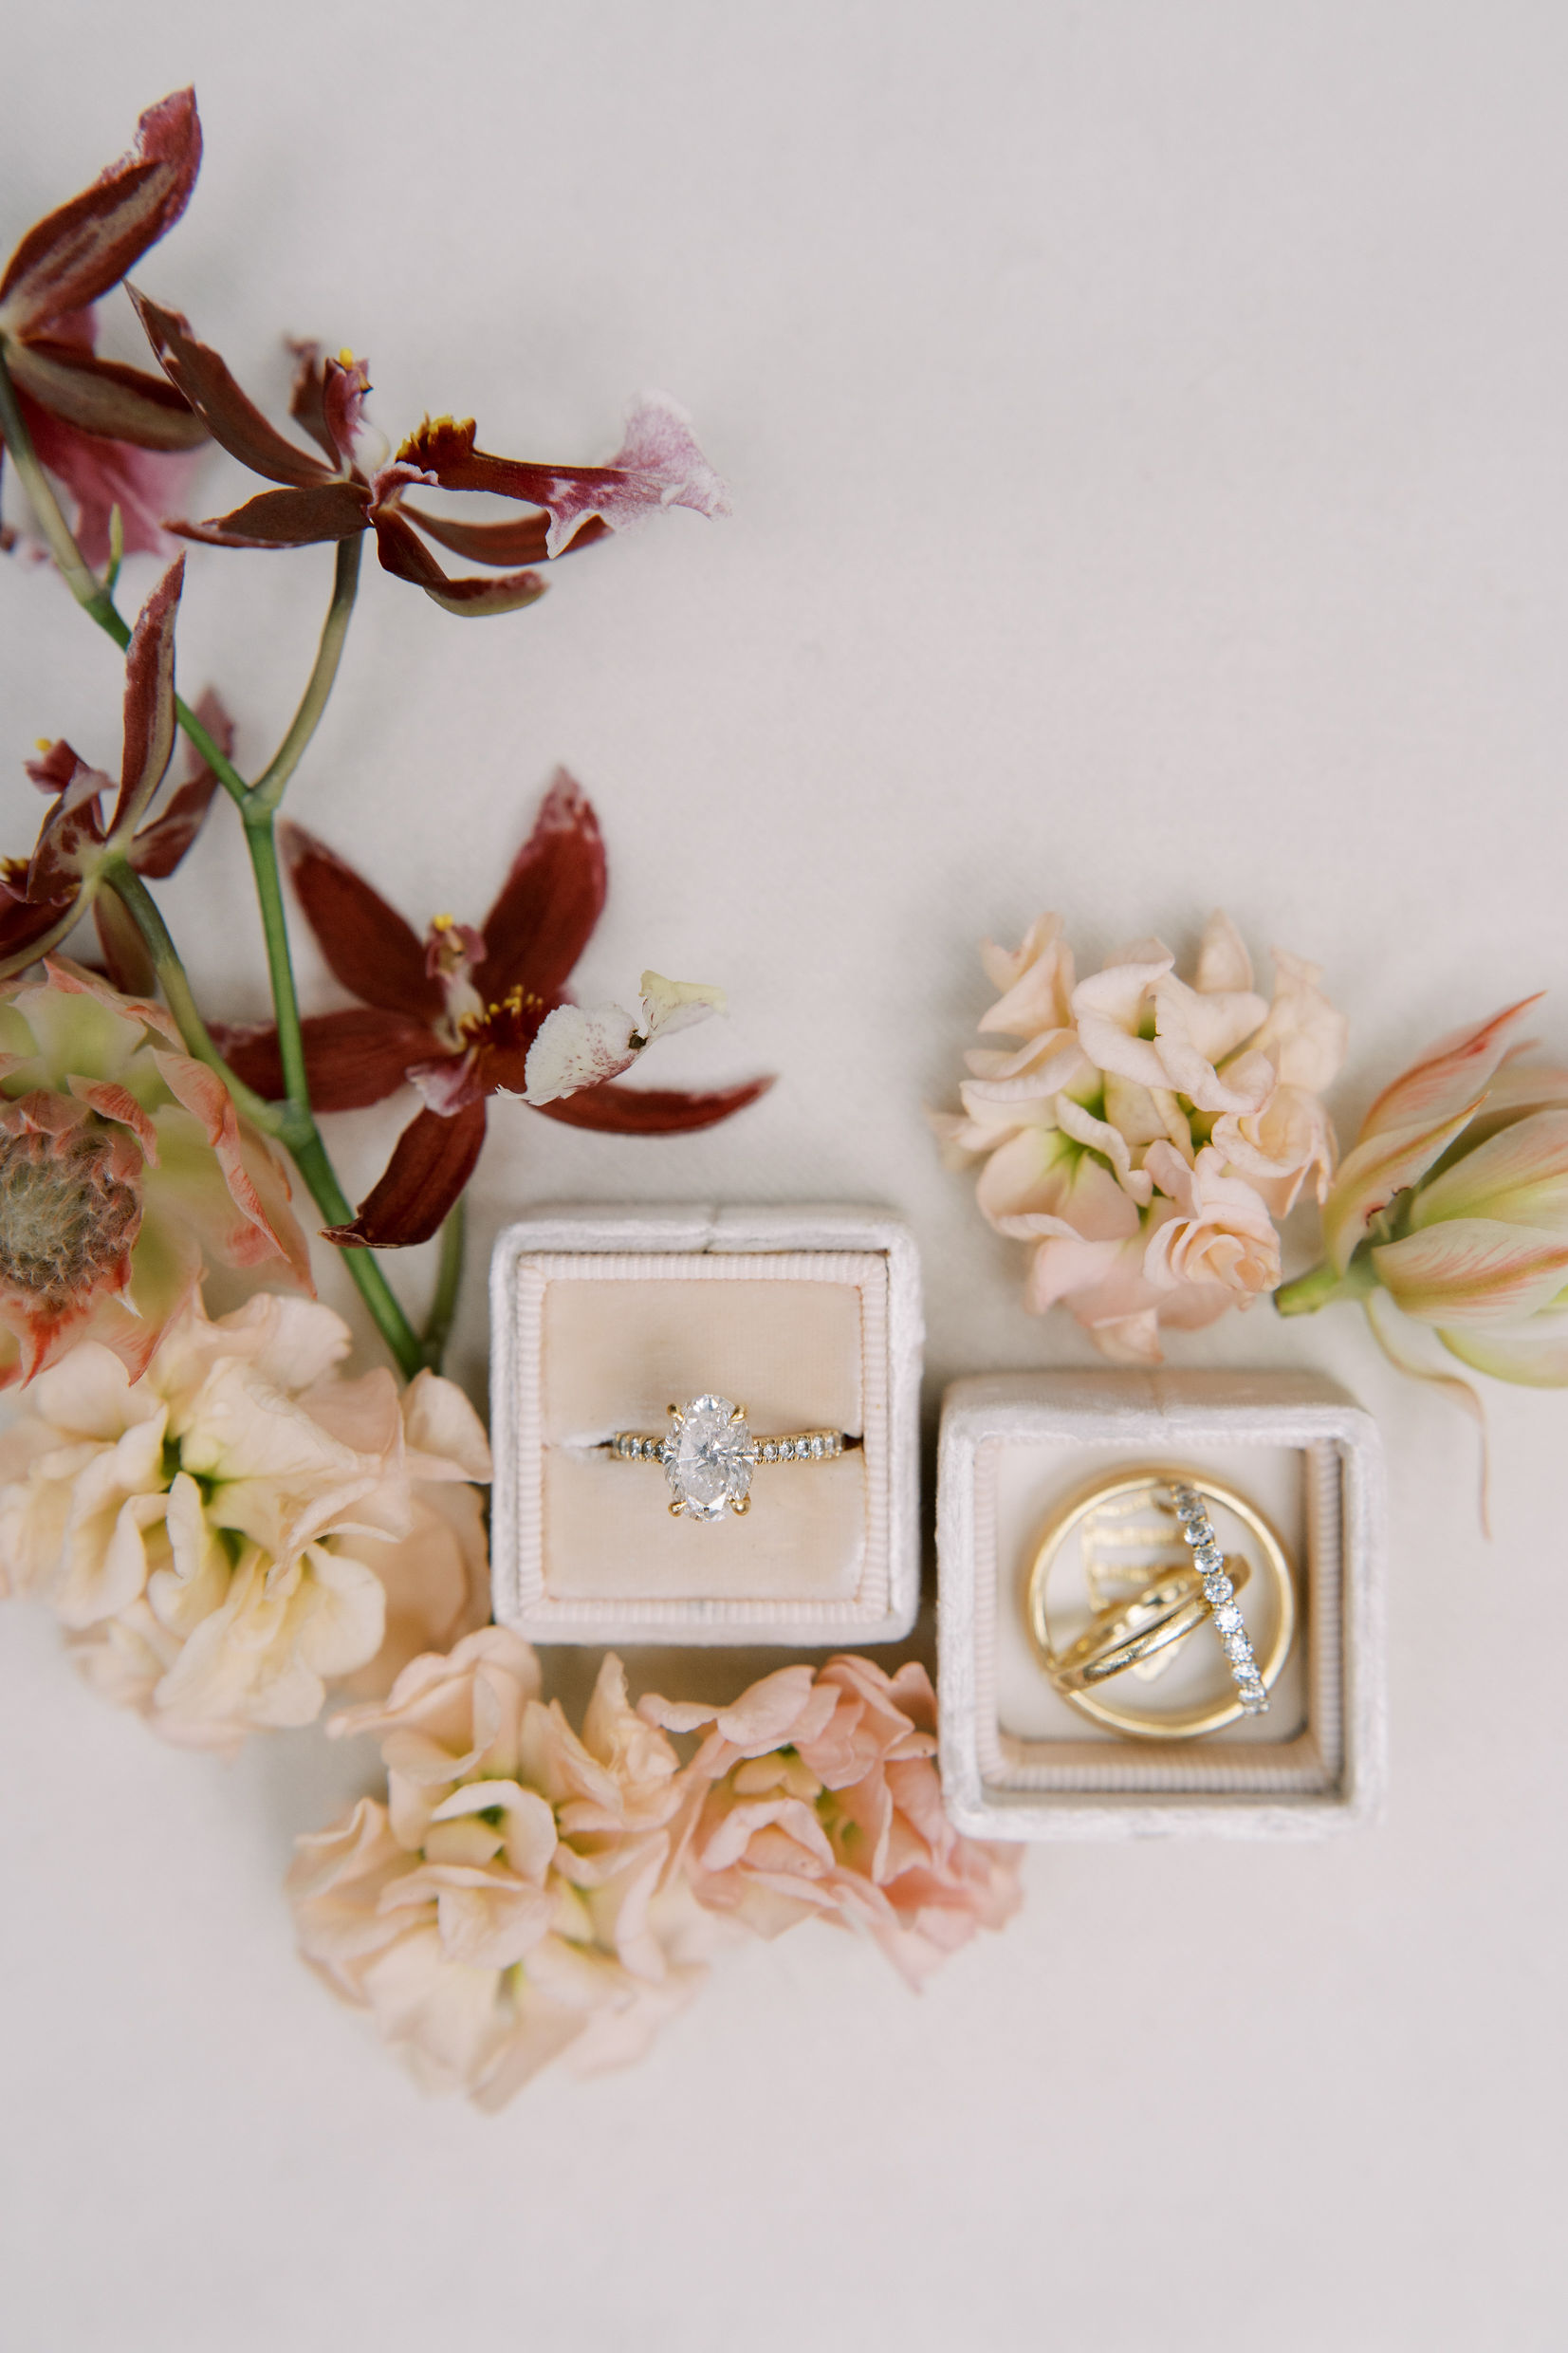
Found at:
[1454, 1206]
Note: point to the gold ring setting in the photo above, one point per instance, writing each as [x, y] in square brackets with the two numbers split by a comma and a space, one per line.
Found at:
[1155, 1574]
[709, 1453]
[1164, 1613]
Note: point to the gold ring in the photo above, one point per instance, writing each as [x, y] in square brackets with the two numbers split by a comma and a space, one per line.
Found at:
[1119, 1495]
[1124, 1634]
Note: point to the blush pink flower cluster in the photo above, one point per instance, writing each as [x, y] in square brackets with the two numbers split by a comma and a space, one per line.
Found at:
[1146, 1131]
[524, 1892]
[815, 1796]
[508, 1902]
[243, 1526]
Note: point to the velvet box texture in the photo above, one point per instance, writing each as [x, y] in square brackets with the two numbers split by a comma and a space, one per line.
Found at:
[602, 1316]
[1018, 1762]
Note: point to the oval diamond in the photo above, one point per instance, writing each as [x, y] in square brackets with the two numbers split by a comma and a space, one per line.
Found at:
[707, 1457]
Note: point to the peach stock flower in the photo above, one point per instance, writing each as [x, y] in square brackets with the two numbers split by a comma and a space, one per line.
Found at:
[815, 1796]
[506, 1903]
[243, 1526]
[1148, 1131]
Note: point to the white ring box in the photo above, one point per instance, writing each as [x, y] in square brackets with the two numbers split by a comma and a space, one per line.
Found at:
[1018, 1762]
[603, 1316]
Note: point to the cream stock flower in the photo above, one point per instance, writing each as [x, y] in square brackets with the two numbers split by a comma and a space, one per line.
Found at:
[1148, 1131]
[506, 1903]
[213, 1534]
[815, 1796]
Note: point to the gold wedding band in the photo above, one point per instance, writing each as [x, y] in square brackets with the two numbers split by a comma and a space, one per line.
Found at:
[1118, 1497]
[1125, 1634]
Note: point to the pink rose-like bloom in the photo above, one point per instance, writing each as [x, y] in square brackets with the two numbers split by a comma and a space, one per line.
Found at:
[508, 1902]
[243, 1526]
[815, 1796]
[1148, 1131]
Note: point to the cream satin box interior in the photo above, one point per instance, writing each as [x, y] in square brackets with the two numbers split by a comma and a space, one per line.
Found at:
[602, 1318]
[1018, 1762]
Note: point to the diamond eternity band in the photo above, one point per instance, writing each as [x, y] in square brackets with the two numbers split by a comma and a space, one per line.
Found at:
[1198, 1529]
[709, 1453]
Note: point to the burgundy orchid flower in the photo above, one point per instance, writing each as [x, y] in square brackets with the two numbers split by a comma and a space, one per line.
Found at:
[456, 1015]
[344, 491]
[42, 897]
[114, 436]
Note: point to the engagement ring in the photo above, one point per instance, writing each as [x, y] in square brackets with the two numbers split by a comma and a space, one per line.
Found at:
[708, 1454]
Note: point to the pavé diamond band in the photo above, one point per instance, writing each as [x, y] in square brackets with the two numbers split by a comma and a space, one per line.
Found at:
[1198, 1528]
[709, 1453]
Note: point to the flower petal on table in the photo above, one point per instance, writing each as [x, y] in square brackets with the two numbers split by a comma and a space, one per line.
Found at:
[352, 1058]
[1473, 1271]
[404, 554]
[231, 419]
[1519, 1174]
[368, 947]
[149, 703]
[105, 398]
[431, 1163]
[288, 518]
[77, 253]
[523, 539]
[1450, 1076]
[1536, 1357]
[615, 1110]
[544, 914]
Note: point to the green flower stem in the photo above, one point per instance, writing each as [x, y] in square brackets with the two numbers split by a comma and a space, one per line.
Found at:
[448, 1280]
[268, 790]
[1311, 1291]
[141, 907]
[292, 1122]
[305, 1139]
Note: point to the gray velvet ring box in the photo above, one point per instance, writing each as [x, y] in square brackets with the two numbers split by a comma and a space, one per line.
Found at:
[1018, 1762]
[600, 1318]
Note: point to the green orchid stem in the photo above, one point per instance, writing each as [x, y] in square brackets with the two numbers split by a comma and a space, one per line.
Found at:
[292, 1122]
[304, 1137]
[449, 1281]
[1311, 1291]
[268, 790]
[141, 907]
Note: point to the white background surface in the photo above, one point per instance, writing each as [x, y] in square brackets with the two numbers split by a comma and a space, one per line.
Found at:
[1144, 427]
